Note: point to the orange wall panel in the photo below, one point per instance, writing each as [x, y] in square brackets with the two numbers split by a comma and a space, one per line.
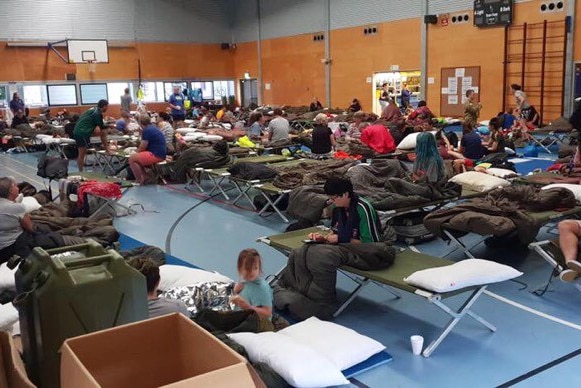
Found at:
[32, 64]
[357, 56]
[292, 66]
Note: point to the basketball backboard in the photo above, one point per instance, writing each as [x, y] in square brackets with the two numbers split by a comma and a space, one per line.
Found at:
[88, 51]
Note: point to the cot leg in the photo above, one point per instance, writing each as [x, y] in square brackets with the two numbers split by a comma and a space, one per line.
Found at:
[353, 295]
[218, 186]
[460, 245]
[243, 189]
[114, 205]
[482, 321]
[456, 316]
[195, 179]
[270, 203]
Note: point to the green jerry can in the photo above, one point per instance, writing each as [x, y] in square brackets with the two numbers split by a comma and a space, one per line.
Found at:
[71, 291]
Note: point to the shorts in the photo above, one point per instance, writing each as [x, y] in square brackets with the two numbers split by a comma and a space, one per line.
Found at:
[146, 158]
[82, 140]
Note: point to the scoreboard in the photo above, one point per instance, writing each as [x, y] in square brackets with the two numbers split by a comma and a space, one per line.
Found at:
[488, 13]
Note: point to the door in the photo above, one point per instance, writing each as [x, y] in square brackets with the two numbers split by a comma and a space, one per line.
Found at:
[249, 92]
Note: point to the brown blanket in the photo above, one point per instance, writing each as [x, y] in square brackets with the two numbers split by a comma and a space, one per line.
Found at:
[306, 173]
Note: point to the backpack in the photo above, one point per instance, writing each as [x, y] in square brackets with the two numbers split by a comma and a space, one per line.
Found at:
[52, 167]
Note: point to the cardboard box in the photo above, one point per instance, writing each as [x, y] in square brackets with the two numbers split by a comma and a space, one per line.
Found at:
[12, 372]
[170, 351]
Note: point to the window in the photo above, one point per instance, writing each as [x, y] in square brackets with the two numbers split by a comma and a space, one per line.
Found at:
[153, 91]
[223, 89]
[34, 95]
[62, 95]
[3, 95]
[92, 93]
[207, 89]
[168, 88]
[116, 89]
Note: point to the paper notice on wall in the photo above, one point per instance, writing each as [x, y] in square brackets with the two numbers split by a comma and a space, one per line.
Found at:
[267, 86]
[431, 80]
[452, 100]
[467, 81]
[465, 88]
[452, 85]
[476, 89]
[444, 90]
[368, 80]
[460, 72]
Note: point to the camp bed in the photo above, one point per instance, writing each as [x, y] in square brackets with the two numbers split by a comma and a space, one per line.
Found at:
[269, 191]
[550, 251]
[546, 138]
[545, 178]
[107, 161]
[545, 218]
[112, 203]
[406, 263]
[301, 125]
[220, 176]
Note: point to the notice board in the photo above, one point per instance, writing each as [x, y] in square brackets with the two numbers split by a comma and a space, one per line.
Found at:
[455, 81]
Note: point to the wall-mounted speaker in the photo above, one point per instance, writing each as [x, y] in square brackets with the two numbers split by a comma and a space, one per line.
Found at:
[431, 19]
[225, 46]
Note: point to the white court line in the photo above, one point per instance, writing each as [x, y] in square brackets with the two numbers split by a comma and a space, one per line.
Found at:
[26, 177]
[19, 162]
[532, 311]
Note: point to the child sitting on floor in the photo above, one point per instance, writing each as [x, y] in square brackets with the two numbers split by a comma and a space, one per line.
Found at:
[253, 292]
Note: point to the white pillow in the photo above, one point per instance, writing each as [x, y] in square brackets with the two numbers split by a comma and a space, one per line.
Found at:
[31, 204]
[575, 189]
[465, 273]
[478, 181]
[299, 365]
[211, 138]
[184, 131]
[408, 142]
[501, 172]
[7, 277]
[179, 276]
[8, 316]
[342, 346]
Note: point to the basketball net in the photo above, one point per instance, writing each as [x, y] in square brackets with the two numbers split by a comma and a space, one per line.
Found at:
[92, 66]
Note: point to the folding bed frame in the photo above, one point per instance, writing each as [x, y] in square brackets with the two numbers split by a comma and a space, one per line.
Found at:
[406, 262]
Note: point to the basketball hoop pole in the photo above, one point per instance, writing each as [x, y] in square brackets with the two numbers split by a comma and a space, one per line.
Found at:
[52, 46]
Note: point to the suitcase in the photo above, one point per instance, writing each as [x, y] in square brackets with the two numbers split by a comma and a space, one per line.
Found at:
[70, 291]
[410, 228]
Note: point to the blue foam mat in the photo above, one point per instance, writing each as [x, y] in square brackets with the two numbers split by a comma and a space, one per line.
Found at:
[372, 362]
[128, 243]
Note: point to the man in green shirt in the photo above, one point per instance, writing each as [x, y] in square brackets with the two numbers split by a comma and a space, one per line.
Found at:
[89, 124]
[354, 219]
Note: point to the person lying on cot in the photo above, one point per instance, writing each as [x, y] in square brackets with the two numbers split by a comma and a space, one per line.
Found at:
[253, 293]
[569, 234]
[353, 220]
[157, 306]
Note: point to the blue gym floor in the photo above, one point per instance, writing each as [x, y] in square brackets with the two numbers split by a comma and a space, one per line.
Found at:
[538, 341]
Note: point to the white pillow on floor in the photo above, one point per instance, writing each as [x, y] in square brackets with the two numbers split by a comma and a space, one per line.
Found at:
[179, 276]
[298, 364]
[7, 277]
[8, 316]
[344, 347]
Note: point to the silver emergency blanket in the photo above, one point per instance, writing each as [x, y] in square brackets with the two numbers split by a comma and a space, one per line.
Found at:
[207, 295]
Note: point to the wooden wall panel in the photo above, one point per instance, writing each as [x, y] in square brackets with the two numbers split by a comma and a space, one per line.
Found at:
[356, 57]
[292, 66]
[32, 64]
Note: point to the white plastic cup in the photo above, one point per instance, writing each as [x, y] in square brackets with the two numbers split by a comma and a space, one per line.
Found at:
[417, 344]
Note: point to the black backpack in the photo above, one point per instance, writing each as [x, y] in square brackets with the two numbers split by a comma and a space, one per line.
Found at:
[52, 167]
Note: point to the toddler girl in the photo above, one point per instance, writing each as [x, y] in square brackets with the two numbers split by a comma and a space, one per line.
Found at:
[253, 292]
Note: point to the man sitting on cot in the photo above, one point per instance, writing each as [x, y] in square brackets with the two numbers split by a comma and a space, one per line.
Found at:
[569, 233]
[354, 219]
[157, 306]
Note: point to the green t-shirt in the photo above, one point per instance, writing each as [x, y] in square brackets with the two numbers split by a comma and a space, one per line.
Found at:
[88, 121]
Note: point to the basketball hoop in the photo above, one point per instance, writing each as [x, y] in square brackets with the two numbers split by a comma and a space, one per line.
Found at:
[92, 66]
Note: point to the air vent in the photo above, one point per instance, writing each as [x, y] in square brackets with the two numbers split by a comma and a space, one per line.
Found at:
[318, 37]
